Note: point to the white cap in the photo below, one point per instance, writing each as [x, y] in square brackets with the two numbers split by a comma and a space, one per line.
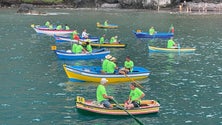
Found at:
[108, 56]
[103, 81]
[113, 59]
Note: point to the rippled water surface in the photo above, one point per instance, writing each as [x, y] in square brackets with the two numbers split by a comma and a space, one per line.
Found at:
[35, 89]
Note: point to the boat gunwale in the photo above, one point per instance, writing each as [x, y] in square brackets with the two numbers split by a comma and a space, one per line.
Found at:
[53, 30]
[59, 52]
[95, 74]
[118, 111]
[161, 35]
[110, 26]
[183, 50]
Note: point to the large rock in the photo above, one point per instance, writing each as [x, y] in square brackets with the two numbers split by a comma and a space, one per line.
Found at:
[131, 3]
[144, 4]
[111, 1]
[25, 8]
[106, 5]
[201, 6]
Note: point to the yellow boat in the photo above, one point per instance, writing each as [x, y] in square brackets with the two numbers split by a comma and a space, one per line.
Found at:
[93, 74]
[107, 45]
[147, 107]
[175, 50]
[109, 26]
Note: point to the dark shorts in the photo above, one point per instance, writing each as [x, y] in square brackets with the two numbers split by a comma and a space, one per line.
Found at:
[105, 103]
[135, 104]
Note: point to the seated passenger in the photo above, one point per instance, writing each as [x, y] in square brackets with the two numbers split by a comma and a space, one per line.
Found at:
[134, 98]
[128, 66]
[111, 65]
[114, 40]
[101, 94]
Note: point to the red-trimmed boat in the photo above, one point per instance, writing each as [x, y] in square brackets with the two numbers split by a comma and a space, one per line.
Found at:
[50, 32]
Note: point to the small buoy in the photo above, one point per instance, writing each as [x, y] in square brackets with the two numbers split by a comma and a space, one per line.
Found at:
[53, 47]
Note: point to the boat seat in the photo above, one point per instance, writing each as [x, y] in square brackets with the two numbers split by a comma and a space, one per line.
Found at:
[146, 102]
[96, 103]
[88, 70]
[68, 51]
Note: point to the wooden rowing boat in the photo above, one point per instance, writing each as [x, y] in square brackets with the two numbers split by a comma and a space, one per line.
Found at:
[162, 35]
[50, 32]
[68, 55]
[174, 50]
[68, 39]
[93, 42]
[147, 107]
[109, 26]
[93, 74]
[108, 45]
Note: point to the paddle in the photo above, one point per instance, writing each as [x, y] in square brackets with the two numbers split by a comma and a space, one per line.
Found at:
[133, 81]
[120, 107]
[178, 48]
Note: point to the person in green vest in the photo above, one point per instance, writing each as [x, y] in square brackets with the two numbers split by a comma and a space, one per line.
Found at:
[128, 66]
[111, 66]
[47, 23]
[106, 23]
[80, 49]
[171, 28]
[104, 64]
[75, 32]
[101, 94]
[102, 39]
[59, 27]
[50, 26]
[74, 46]
[67, 27]
[88, 46]
[113, 40]
[152, 30]
[171, 43]
[134, 98]
[74, 35]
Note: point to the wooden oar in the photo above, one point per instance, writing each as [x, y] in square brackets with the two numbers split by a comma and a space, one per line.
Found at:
[133, 81]
[178, 48]
[120, 107]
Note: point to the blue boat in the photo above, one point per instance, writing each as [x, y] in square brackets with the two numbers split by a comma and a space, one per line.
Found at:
[68, 39]
[162, 35]
[68, 55]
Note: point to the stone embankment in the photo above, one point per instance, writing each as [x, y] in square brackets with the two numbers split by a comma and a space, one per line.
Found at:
[200, 7]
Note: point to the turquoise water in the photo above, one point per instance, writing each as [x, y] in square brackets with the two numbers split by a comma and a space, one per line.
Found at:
[35, 89]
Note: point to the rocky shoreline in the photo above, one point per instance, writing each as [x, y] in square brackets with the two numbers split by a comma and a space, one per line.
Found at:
[188, 7]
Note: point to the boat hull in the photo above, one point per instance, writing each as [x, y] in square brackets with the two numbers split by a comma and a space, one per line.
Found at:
[110, 26]
[93, 74]
[152, 106]
[161, 35]
[94, 42]
[51, 32]
[96, 54]
[171, 50]
[108, 45]
[68, 39]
